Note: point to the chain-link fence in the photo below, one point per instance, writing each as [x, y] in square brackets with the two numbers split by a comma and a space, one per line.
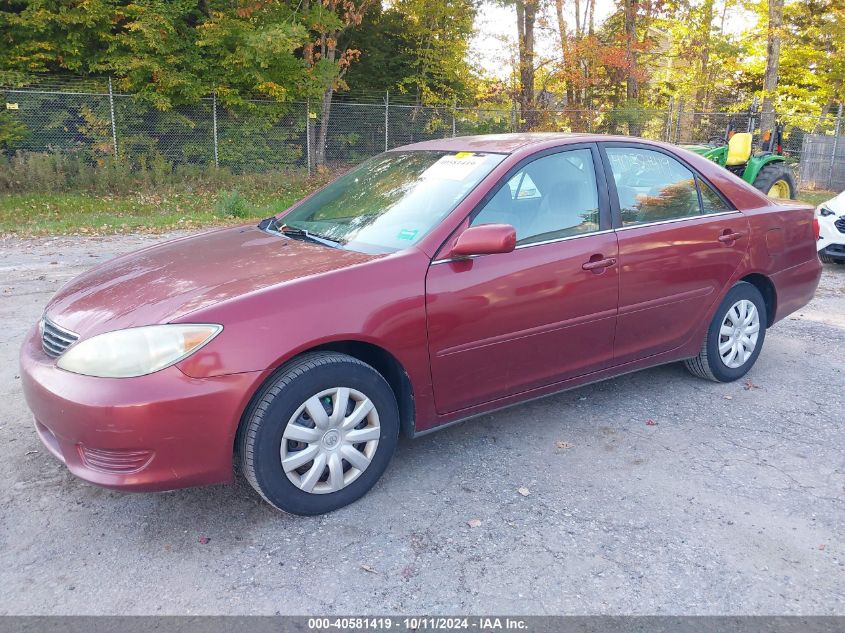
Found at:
[97, 125]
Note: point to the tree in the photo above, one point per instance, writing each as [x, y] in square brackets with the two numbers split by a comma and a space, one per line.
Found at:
[153, 50]
[415, 47]
[632, 86]
[41, 36]
[576, 58]
[770, 77]
[385, 42]
[526, 16]
[328, 57]
[438, 41]
[167, 52]
[253, 51]
[813, 40]
[702, 35]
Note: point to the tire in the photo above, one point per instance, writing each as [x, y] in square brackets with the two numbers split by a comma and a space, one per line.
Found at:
[280, 408]
[709, 363]
[829, 259]
[772, 173]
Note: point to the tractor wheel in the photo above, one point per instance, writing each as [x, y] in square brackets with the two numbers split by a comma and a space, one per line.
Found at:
[776, 181]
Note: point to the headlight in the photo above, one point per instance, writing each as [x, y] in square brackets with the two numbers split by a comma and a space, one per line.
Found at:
[136, 351]
[824, 212]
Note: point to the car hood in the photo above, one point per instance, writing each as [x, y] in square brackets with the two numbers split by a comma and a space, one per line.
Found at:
[167, 281]
[837, 204]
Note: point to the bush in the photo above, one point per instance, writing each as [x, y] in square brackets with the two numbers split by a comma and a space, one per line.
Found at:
[231, 204]
[39, 172]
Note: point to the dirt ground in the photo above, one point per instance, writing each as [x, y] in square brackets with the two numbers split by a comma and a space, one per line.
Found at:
[732, 502]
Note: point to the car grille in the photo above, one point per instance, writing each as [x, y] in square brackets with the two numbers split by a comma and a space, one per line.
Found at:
[54, 339]
[840, 224]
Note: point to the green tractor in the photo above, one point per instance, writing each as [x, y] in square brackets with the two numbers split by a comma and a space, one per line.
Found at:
[766, 170]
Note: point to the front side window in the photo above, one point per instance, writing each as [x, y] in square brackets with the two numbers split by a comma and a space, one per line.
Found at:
[550, 198]
[652, 186]
[391, 201]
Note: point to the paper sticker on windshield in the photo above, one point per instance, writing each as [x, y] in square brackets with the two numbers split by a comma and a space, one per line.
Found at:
[406, 234]
[454, 166]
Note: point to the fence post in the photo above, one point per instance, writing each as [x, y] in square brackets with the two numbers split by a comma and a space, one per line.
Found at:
[386, 117]
[454, 110]
[214, 122]
[678, 124]
[113, 125]
[668, 131]
[308, 134]
[836, 133]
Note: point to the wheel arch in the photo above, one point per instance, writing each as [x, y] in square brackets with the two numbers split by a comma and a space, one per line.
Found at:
[767, 289]
[388, 366]
[374, 355]
[756, 163]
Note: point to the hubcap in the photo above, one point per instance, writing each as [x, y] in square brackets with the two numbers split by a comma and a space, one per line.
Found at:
[330, 440]
[779, 189]
[738, 334]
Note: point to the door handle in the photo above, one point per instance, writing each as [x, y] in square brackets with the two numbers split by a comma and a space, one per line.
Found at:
[599, 264]
[729, 236]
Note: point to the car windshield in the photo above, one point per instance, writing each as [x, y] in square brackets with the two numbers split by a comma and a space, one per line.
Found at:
[391, 201]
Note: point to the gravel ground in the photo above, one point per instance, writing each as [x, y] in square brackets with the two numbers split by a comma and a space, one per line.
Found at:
[732, 503]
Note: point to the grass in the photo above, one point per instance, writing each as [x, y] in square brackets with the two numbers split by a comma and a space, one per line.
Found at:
[169, 207]
[816, 197]
[153, 210]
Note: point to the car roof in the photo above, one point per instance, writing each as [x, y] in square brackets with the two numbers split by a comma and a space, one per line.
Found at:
[501, 143]
[740, 193]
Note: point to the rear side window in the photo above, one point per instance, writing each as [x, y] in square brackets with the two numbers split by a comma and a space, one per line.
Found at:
[652, 186]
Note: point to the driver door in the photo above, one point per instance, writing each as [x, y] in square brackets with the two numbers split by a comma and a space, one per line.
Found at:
[504, 324]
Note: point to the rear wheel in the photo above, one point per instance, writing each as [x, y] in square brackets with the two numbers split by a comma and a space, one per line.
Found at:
[734, 338]
[776, 181]
[320, 434]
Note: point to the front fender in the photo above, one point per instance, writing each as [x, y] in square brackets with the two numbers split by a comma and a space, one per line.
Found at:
[756, 163]
[380, 302]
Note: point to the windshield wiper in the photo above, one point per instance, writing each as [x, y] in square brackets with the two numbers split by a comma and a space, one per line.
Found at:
[272, 224]
[268, 224]
[292, 231]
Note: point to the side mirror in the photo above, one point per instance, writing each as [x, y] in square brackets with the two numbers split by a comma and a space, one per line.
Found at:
[485, 239]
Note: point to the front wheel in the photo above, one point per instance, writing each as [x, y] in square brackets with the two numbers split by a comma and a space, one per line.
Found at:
[319, 434]
[734, 338]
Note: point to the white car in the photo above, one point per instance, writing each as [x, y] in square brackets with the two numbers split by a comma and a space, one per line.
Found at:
[831, 244]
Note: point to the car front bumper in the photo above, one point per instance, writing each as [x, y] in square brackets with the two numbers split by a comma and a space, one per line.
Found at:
[834, 250]
[830, 234]
[156, 432]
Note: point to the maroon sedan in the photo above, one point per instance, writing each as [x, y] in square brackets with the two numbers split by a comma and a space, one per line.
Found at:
[433, 283]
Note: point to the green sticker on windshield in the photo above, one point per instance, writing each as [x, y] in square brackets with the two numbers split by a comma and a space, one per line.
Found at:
[407, 234]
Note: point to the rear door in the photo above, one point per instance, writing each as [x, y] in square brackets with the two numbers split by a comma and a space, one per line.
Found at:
[680, 242]
[504, 324]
